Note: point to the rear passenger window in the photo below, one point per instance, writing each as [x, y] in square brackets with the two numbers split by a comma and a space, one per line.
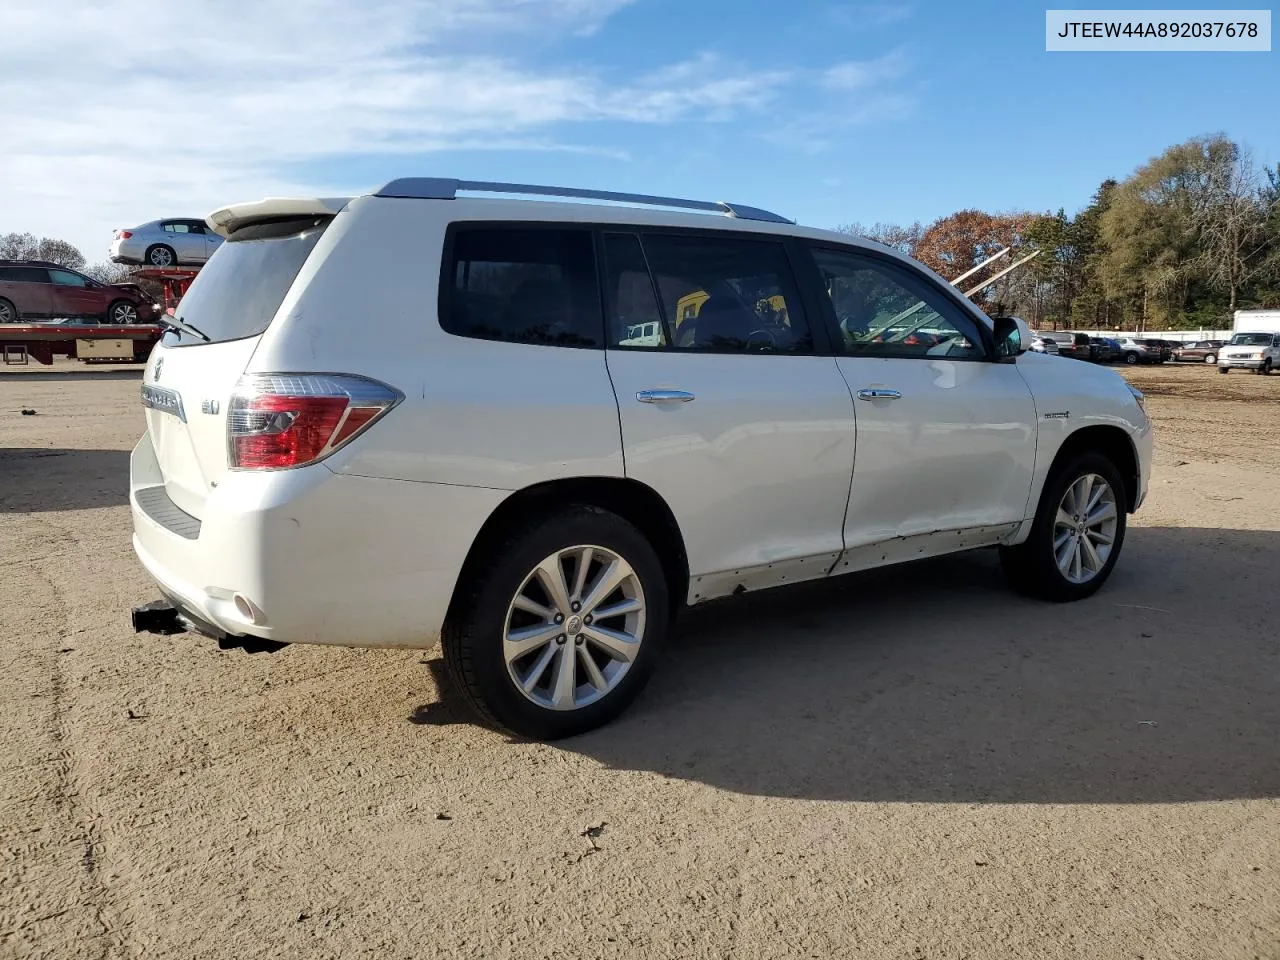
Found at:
[720, 294]
[522, 285]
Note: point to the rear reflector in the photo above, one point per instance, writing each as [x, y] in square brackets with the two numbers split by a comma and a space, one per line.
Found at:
[281, 420]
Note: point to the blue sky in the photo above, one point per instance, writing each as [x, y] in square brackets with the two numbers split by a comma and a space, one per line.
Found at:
[824, 112]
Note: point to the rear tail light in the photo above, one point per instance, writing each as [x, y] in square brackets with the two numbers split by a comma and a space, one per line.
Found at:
[123, 234]
[280, 420]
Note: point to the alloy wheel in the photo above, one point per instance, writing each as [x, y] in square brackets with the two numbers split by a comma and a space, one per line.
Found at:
[1084, 530]
[574, 628]
[161, 257]
[124, 313]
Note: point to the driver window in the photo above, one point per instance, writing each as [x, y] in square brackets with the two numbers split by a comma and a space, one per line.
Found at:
[882, 311]
[726, 295]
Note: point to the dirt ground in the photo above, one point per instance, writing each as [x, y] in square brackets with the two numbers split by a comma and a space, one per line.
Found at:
[911, 763]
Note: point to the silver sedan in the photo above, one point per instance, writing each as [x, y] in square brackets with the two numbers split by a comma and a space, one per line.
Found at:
[165, 243]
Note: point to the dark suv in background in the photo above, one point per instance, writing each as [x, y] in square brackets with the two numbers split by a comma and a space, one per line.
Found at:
[39, 290]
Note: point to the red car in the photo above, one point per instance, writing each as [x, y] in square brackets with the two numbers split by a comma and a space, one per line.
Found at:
[36, 290]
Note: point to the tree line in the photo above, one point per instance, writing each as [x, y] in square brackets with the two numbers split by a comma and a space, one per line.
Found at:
[1183, 242]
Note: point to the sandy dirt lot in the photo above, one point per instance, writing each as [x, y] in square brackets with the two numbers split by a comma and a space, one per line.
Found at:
[911, 763]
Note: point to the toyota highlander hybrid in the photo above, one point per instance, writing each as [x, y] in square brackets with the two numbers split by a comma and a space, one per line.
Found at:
[553, 424]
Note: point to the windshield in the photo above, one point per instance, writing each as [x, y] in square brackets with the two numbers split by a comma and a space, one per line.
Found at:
[237, 293]
[1251, 340]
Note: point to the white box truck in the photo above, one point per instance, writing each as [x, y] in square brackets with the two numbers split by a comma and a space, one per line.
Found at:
[1256, 321]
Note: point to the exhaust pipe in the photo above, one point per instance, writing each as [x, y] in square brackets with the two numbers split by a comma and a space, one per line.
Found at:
[159, 616]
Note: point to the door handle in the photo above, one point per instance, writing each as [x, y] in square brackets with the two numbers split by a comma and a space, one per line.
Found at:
[660, 396]
[878, 393]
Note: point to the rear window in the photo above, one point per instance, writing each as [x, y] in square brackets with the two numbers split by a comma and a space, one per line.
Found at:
[238, 292]
[24, 275]
[522, 284]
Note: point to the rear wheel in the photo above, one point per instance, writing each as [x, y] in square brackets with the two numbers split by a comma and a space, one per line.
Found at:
[8, 312]
[561, 625]
[1130, 357]
[1077, 533]
[122, 312]
[159, 255]
[1210, 358]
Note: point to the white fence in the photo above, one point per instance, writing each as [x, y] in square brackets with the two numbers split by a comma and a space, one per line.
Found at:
[1177, 336]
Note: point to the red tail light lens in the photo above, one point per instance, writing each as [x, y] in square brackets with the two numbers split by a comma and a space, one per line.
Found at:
[277, 421]
[126, 234]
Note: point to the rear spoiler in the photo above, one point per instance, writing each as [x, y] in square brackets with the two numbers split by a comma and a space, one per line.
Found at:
[230, 219]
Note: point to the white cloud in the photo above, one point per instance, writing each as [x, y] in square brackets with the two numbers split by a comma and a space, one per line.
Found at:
[121, 111]
[859, 74]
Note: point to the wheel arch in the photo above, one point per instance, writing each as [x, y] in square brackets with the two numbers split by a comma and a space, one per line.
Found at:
[1113, 443]
[637, 503]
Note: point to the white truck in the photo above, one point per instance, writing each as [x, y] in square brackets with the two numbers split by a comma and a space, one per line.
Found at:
[1255, 343]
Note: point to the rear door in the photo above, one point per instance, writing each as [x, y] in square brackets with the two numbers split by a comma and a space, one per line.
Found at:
[946, 437]
[28, 289]
[188, 381]
[729, 412]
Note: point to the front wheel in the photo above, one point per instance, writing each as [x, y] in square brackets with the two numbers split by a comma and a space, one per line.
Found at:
[1131, 358]
[560, 626]
[1266, 367]
[122, 312]
[1077, 533]
[8, 312]
[1224, 369]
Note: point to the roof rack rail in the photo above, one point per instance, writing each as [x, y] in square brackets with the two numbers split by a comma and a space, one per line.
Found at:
[442, 188]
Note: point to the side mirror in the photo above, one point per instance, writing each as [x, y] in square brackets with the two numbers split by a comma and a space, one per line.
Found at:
[1013, 337]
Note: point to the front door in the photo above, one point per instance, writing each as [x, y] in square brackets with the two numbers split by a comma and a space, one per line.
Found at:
[946, 436]
[73, 296]
[727, 412]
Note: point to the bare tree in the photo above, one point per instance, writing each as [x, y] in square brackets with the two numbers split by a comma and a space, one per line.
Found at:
[24, 246]
[904, 239]
[1231, 218]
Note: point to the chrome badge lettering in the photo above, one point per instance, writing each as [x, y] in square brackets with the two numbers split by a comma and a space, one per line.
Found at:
[210, 406]
[164, 400]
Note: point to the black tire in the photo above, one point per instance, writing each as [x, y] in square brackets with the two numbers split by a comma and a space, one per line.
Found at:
[160, 255]
[1266, 367]
[1031, 568]
[119, 305]
[1224, 369]
[1131, 357]
[8, 312]
[472, 637]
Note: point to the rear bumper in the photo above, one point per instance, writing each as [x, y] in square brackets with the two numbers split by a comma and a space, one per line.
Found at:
[310, 556]
[126, 251]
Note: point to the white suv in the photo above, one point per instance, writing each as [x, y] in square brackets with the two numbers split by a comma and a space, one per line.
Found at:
[535, 429]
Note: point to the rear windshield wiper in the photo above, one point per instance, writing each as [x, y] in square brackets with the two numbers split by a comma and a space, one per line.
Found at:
[181, 326]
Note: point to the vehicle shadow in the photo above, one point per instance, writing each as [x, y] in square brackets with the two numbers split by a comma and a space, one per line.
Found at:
[933, 683]
[38, 479]
[129, 371]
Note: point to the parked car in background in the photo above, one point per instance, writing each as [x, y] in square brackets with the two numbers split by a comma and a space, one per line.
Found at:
[165, 243]
[1259, 352]
[1160, 351]
[1042, 344]
[1102, 350]
[1065, 340]
[1136, 351]
[521, 482]
[1198, 351]
[38, 290]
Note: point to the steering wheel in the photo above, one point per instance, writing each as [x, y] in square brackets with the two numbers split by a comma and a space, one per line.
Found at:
[763, 335]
